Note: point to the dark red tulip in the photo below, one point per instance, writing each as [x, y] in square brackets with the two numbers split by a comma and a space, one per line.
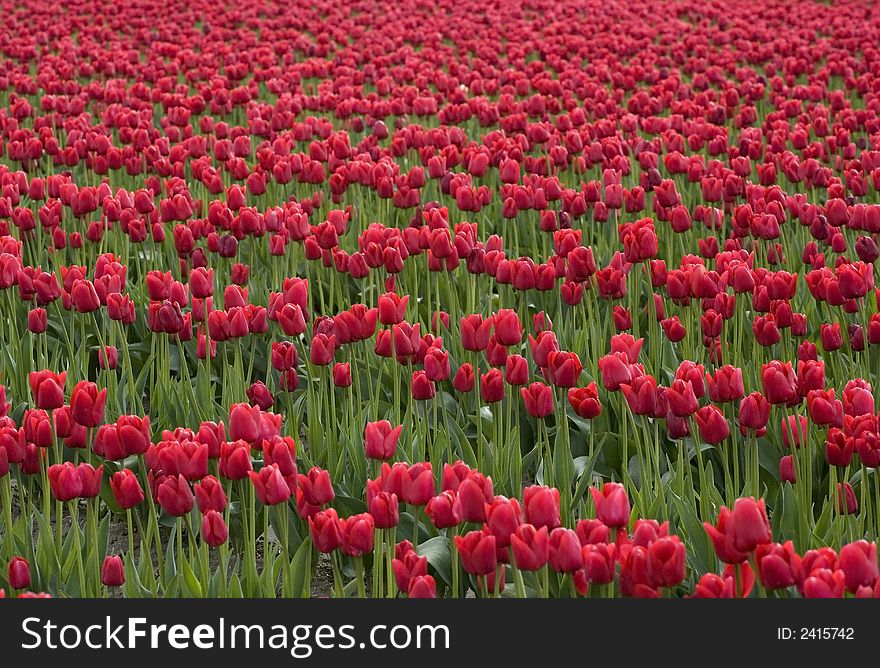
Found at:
[126, 489]
[112, 571]
[19, 573]
[214, 530]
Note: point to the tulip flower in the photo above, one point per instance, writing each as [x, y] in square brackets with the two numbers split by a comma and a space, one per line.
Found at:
[564, 368]
[326, 530]
[126, 489]
[269, 485]
[316, 486]
[209, 495]
[214, 530]
[422, 586]
[712, 424]
[357, 535]
[612, 505]
[538, 399]
[112, 571]
[87, 404]
[750, 526]
[585, 401]
[408, 566]
[858, 561]
[19, 573]
[175, 496]
[541, 506]
[47, 388]
[477, 552]
[442, 510]
[530, 547]
[235, 460]
[64, 481]
[599, 562]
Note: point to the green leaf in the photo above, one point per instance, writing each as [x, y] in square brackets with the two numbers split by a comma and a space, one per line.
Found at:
[234, 590]
[583, 467]
[191, 581]
[301, 570]
[436, 550]
[694, 535]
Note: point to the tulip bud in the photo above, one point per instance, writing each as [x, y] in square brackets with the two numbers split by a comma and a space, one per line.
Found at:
[19, 573]
[214, 529]
[113, 571]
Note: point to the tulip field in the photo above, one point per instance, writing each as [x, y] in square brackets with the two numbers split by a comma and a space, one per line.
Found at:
[562, 299]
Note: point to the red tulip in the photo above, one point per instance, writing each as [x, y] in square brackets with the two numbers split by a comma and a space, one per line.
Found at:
[779, 382]
[750, 526]
[126, 489]
[846, 504]
[422, 586]
[259, 395]
[422, 387]
[443, 510]
[384, 508]
[463, 381]
[175, 496]
[269, 485]
[507, 327]
[538, 399]
[244, 422]
[64, 481]
[599, 562]
[713, 426]
[214, 530]
[38, 321]
[477, 552]
[357, 535]
[777, 564]
[641, 395]
[113, 571]
[726, 384]
[235, 460]
[530, 547]
[322, 349]
[326, 530]
[564, 368]
[316, 486]
[19, 573]
[541, 506]
[492, 386]
[612, 505]
[585, 401]
[47, 388]
[281, 451]
[858, 561]
[666, 561]
[408, 566]
[754, 411]
[210, 495]
[87, 404]
[342, 374]
[472, 496]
